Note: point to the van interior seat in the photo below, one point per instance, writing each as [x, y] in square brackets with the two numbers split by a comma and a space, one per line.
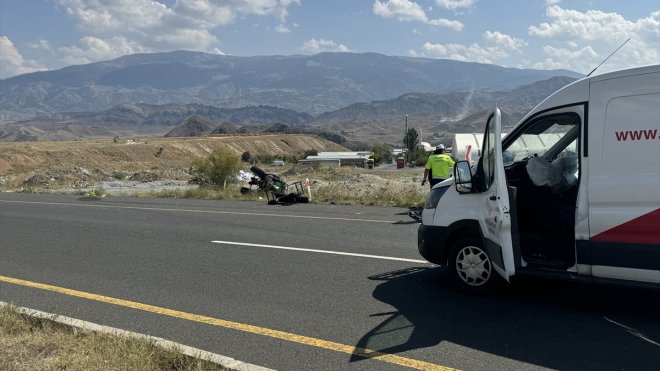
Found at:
[545, 207]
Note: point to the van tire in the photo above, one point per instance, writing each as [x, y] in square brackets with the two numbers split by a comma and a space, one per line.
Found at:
[471, 268]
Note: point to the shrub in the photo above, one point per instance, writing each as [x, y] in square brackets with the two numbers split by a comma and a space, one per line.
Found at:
[219, 168]
[420, 157]
[119, 175]
[310, 152]
[265, 158]
[97, 192]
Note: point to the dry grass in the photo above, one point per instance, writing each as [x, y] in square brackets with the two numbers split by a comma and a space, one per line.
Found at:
[348, 186]
[231, 192]
[30, 343]
[369, 187]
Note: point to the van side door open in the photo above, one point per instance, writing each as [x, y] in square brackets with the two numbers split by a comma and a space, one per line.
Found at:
[495, 218]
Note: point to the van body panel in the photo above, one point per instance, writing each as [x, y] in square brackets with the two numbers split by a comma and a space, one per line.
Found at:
[624, 182]
[629, 274]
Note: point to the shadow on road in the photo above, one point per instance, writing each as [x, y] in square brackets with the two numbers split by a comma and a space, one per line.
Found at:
[554, 324]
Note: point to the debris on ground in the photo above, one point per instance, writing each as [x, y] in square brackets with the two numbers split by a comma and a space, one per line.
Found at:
[275, 188]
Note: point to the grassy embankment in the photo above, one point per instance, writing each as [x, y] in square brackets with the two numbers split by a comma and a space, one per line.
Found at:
[31, 343]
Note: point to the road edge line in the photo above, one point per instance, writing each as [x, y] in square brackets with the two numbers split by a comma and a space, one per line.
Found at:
[223, 361]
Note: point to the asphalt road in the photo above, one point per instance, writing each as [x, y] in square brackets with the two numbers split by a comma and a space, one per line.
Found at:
[303, 287]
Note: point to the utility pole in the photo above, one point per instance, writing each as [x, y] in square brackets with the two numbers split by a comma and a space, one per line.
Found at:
[405, 140]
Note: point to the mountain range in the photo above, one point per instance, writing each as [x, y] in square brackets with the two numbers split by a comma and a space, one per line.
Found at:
[342, 92]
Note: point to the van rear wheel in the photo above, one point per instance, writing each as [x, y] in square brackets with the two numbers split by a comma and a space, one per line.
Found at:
[471, 268]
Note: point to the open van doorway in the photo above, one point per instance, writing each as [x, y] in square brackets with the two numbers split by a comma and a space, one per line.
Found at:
[542, 166]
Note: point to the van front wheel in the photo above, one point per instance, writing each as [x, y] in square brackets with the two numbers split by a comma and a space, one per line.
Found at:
[471, 268]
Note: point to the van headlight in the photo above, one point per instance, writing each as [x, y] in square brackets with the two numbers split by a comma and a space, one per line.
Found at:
[434, 196]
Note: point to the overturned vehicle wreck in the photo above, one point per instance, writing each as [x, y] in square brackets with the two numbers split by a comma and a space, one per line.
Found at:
[277, 191]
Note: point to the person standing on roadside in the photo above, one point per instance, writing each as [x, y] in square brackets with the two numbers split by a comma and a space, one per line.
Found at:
[438, 166]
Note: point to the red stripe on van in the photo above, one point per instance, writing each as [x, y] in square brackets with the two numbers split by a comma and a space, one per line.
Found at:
[642, 230]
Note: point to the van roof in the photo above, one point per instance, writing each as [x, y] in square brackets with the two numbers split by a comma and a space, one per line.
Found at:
[578, 91]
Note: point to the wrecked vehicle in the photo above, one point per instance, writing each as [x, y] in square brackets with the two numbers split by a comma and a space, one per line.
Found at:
[277, 191]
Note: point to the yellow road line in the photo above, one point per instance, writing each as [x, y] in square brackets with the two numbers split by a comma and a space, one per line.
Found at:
[200, 211]
[306, 340]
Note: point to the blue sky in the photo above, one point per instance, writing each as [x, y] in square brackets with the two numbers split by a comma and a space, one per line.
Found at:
[40, 35]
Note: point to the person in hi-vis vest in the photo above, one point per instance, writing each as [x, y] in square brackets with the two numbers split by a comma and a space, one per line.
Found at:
[438, 166]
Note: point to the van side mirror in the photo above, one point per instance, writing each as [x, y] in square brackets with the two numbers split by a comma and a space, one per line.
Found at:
[463, 177]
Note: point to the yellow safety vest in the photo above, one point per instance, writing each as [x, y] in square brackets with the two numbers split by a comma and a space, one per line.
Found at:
[440, 166]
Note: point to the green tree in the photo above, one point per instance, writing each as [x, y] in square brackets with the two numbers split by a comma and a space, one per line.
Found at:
[382, 153]
[219, 167]
[246, 157]
[411, 142]
[420, 156]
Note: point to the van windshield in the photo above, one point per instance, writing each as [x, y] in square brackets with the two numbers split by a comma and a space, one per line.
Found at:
[538, 138]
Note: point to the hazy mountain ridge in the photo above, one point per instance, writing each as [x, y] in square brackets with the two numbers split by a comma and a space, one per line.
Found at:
[362, 122]
[383, 121]
[172, 114]
[312, 84]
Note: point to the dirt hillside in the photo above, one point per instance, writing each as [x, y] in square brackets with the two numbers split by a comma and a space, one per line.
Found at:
[80, 162]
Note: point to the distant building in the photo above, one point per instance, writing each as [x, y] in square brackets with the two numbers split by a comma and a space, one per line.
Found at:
[336, 159]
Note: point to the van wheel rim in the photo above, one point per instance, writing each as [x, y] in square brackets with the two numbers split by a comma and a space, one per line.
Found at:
[473, 266]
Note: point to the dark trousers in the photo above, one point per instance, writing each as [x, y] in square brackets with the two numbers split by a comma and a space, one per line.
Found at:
[435, 181]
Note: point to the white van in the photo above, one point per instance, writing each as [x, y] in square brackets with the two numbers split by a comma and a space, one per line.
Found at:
[572, 191]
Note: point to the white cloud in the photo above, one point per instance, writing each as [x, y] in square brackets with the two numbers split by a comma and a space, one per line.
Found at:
[314, 46]
[403, 10]
[466, 53]
[504, 41]
[552, 2]
[40, 44]
[572, 24]
[408, 11]
[497, 46]
[592, 35]
[94, 49]
[12, 62]
[558, 57]
[117, 27]
[454, 25]
[281, 28]
[455, 4]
